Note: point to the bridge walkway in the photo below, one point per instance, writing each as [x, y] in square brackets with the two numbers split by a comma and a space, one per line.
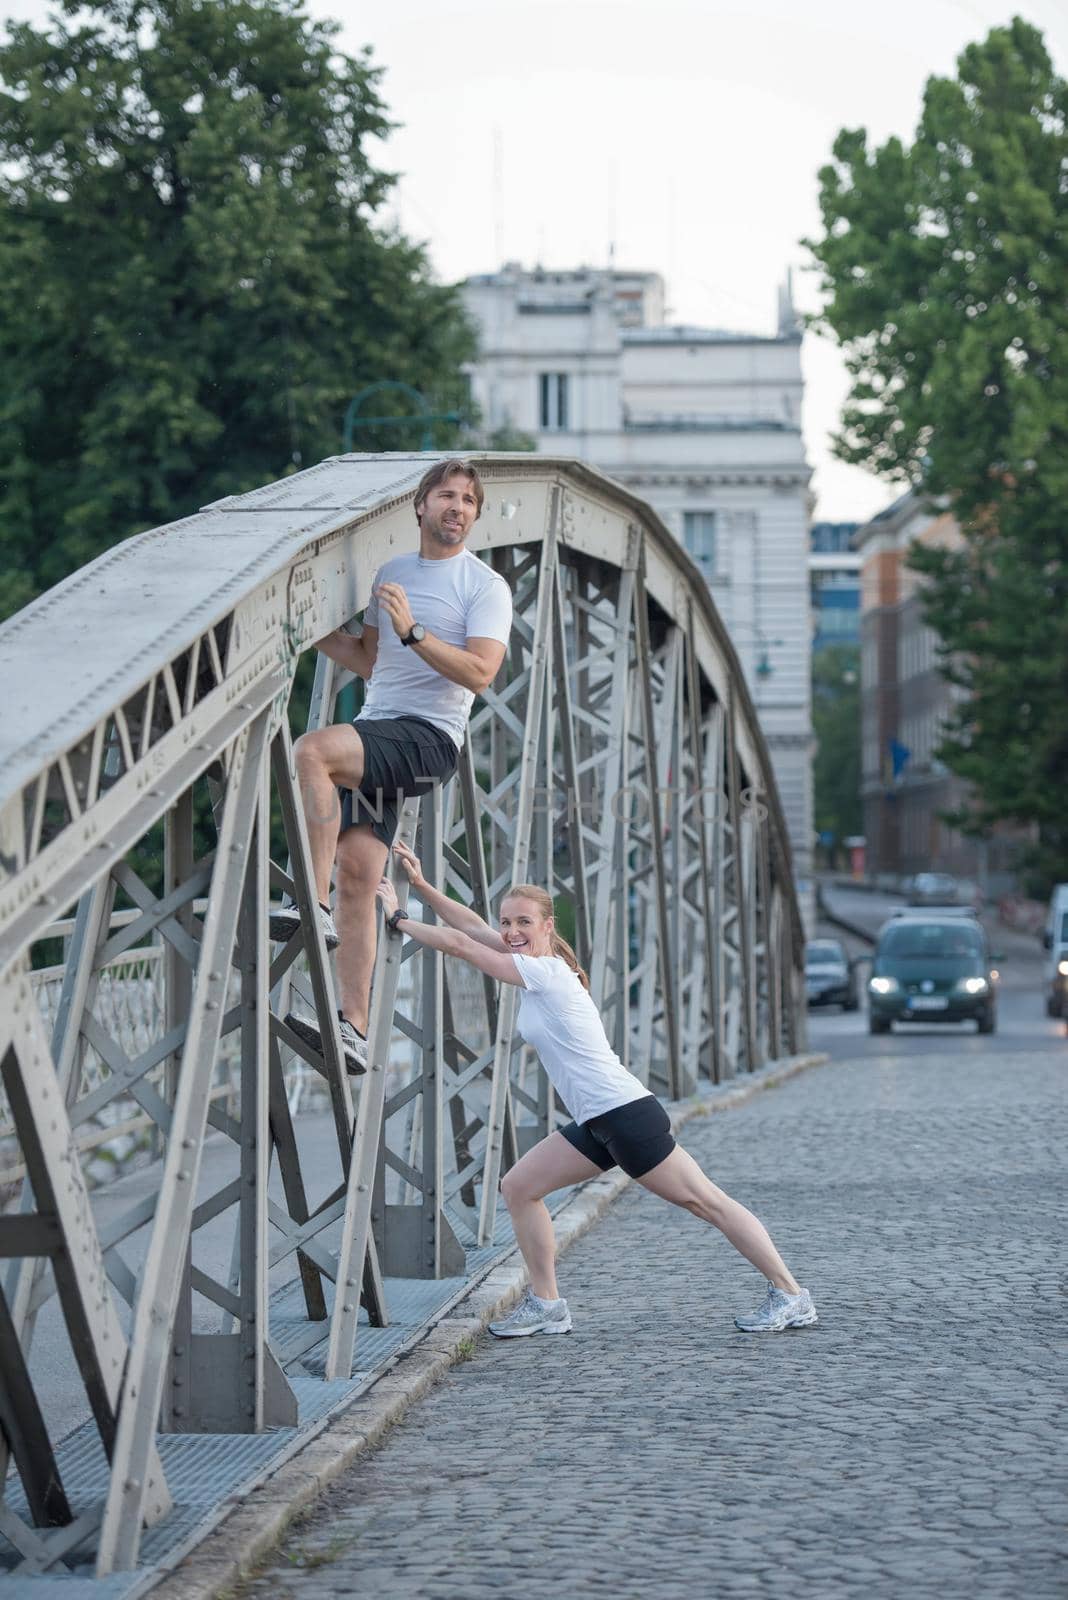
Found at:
[907, 1445]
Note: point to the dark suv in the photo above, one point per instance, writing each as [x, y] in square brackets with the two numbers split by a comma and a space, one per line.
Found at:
[932, 967]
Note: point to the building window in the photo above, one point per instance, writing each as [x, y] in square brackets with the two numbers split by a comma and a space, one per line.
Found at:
[552, 394]
[699, 537]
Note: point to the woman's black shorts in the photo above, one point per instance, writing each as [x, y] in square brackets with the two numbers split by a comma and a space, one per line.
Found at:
[636, 1137]
[402, 757]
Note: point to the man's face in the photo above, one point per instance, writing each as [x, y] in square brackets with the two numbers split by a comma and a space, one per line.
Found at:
[448, 513]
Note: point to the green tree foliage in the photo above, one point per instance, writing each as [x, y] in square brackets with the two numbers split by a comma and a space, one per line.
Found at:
[194, 279]
[944, 266]
[836, 726]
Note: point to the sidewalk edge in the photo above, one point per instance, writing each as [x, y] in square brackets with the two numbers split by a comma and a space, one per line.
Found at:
[239, 1542]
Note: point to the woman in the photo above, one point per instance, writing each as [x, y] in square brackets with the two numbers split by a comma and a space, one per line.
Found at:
[617, 1121]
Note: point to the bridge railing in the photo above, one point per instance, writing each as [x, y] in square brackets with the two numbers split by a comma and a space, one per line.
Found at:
[617, 759]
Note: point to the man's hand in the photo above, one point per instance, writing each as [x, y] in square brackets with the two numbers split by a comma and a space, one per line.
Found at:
[392, 599]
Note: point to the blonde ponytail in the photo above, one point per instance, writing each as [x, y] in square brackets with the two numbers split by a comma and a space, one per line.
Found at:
[558, 945]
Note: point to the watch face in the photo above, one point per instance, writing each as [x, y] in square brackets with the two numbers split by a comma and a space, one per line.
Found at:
[418, 633]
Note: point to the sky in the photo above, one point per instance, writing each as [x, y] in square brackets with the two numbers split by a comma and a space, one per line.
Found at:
[677, 136]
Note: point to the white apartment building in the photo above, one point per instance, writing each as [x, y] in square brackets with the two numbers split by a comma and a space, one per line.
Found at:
[706, 426]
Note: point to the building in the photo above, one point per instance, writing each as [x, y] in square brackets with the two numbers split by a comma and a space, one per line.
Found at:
[834, 584]
[905, 704]
[703, 423]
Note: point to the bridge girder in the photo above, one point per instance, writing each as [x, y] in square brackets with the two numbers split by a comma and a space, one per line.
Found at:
[617, 759]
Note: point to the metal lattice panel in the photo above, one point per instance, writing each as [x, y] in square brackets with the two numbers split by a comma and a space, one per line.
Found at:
[616, 759]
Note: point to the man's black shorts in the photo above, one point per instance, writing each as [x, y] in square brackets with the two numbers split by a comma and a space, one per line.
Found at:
[636, 1136]
[403, 757]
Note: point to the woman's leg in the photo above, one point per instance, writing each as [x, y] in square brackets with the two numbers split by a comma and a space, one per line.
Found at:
[552, 1164]
[680, 1180]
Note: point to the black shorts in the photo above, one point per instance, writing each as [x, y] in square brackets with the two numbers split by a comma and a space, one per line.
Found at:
[636, 1137]
[402, 757]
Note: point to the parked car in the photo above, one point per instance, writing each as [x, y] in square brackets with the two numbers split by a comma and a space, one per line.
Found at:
[829, 976]
[932, 967]
[934, 889]
[1055, 941]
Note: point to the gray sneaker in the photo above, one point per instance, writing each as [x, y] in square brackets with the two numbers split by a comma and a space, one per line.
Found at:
[285, 920]
[532, 1315]
[353, 1044]
[780, 1310]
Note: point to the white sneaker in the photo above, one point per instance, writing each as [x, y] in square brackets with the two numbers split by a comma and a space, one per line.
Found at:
[353, 1044]
[285, 920]
[780, 1311]
[533, 1315]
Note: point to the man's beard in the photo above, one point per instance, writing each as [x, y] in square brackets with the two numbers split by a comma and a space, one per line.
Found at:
[451, 535]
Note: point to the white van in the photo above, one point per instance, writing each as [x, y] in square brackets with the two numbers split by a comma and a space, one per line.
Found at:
[1055, 939]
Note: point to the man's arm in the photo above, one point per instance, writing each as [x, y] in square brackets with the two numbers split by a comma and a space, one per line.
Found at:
[358, 655]
[473, 667]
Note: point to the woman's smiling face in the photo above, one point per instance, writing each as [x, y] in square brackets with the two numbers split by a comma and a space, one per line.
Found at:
[524, 929]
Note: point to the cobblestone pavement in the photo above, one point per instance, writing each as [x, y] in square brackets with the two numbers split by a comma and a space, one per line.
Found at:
[908, 1445]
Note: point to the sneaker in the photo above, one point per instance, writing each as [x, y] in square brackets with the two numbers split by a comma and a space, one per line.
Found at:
[533, 1315]
[285, 920]
[780, 1310]
[353, 1043]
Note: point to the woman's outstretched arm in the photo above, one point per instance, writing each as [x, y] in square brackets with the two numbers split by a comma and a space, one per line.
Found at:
[451, 912]
[451, 942]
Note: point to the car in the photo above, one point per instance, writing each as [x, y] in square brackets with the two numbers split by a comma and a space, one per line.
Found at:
[932, 967]
[934, 889]
[829, 975]
[1055, 942]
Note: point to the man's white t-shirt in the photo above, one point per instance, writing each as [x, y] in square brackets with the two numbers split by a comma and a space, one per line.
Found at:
[558, 1017]
[456, 599]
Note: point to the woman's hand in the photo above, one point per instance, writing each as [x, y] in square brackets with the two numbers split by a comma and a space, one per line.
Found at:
[387, 895]
[411, 864]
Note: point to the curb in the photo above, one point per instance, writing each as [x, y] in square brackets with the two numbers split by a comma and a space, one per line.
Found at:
[237, 1544]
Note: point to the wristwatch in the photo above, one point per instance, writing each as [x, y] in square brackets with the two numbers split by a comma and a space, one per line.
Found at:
[392, 921]
[416, 635]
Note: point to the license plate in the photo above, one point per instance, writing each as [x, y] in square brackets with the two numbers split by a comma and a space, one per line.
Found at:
[934, 1002]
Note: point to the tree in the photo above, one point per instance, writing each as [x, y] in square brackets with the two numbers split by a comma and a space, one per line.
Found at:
[836, 726]
[943, 264]
[193, 279]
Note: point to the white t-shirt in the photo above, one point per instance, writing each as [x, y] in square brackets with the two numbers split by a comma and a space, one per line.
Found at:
[558, 1017]
[456, 599]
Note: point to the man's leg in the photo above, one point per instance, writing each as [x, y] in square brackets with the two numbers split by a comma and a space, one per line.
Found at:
[326, 760]
[361, 863]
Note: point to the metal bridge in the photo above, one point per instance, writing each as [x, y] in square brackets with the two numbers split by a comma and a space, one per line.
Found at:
[617, 759]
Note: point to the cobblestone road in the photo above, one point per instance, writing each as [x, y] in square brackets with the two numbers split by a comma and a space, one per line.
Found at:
[909, 1445]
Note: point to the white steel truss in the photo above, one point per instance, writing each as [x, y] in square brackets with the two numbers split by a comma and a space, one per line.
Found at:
[617, 760]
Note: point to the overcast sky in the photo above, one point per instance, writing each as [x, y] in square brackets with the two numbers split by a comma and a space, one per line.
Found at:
[685, 134]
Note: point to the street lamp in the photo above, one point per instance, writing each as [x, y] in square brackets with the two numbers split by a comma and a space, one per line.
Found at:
[763, 668]
[420, 414]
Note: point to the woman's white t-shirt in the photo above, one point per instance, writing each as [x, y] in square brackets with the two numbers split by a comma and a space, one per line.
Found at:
[558, 1017]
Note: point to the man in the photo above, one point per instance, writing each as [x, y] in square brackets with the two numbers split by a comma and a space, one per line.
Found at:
[448, 617]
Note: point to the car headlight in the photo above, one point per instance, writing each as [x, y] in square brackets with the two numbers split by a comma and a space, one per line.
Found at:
[973, 985]
[1062, 968]
[883, 985]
